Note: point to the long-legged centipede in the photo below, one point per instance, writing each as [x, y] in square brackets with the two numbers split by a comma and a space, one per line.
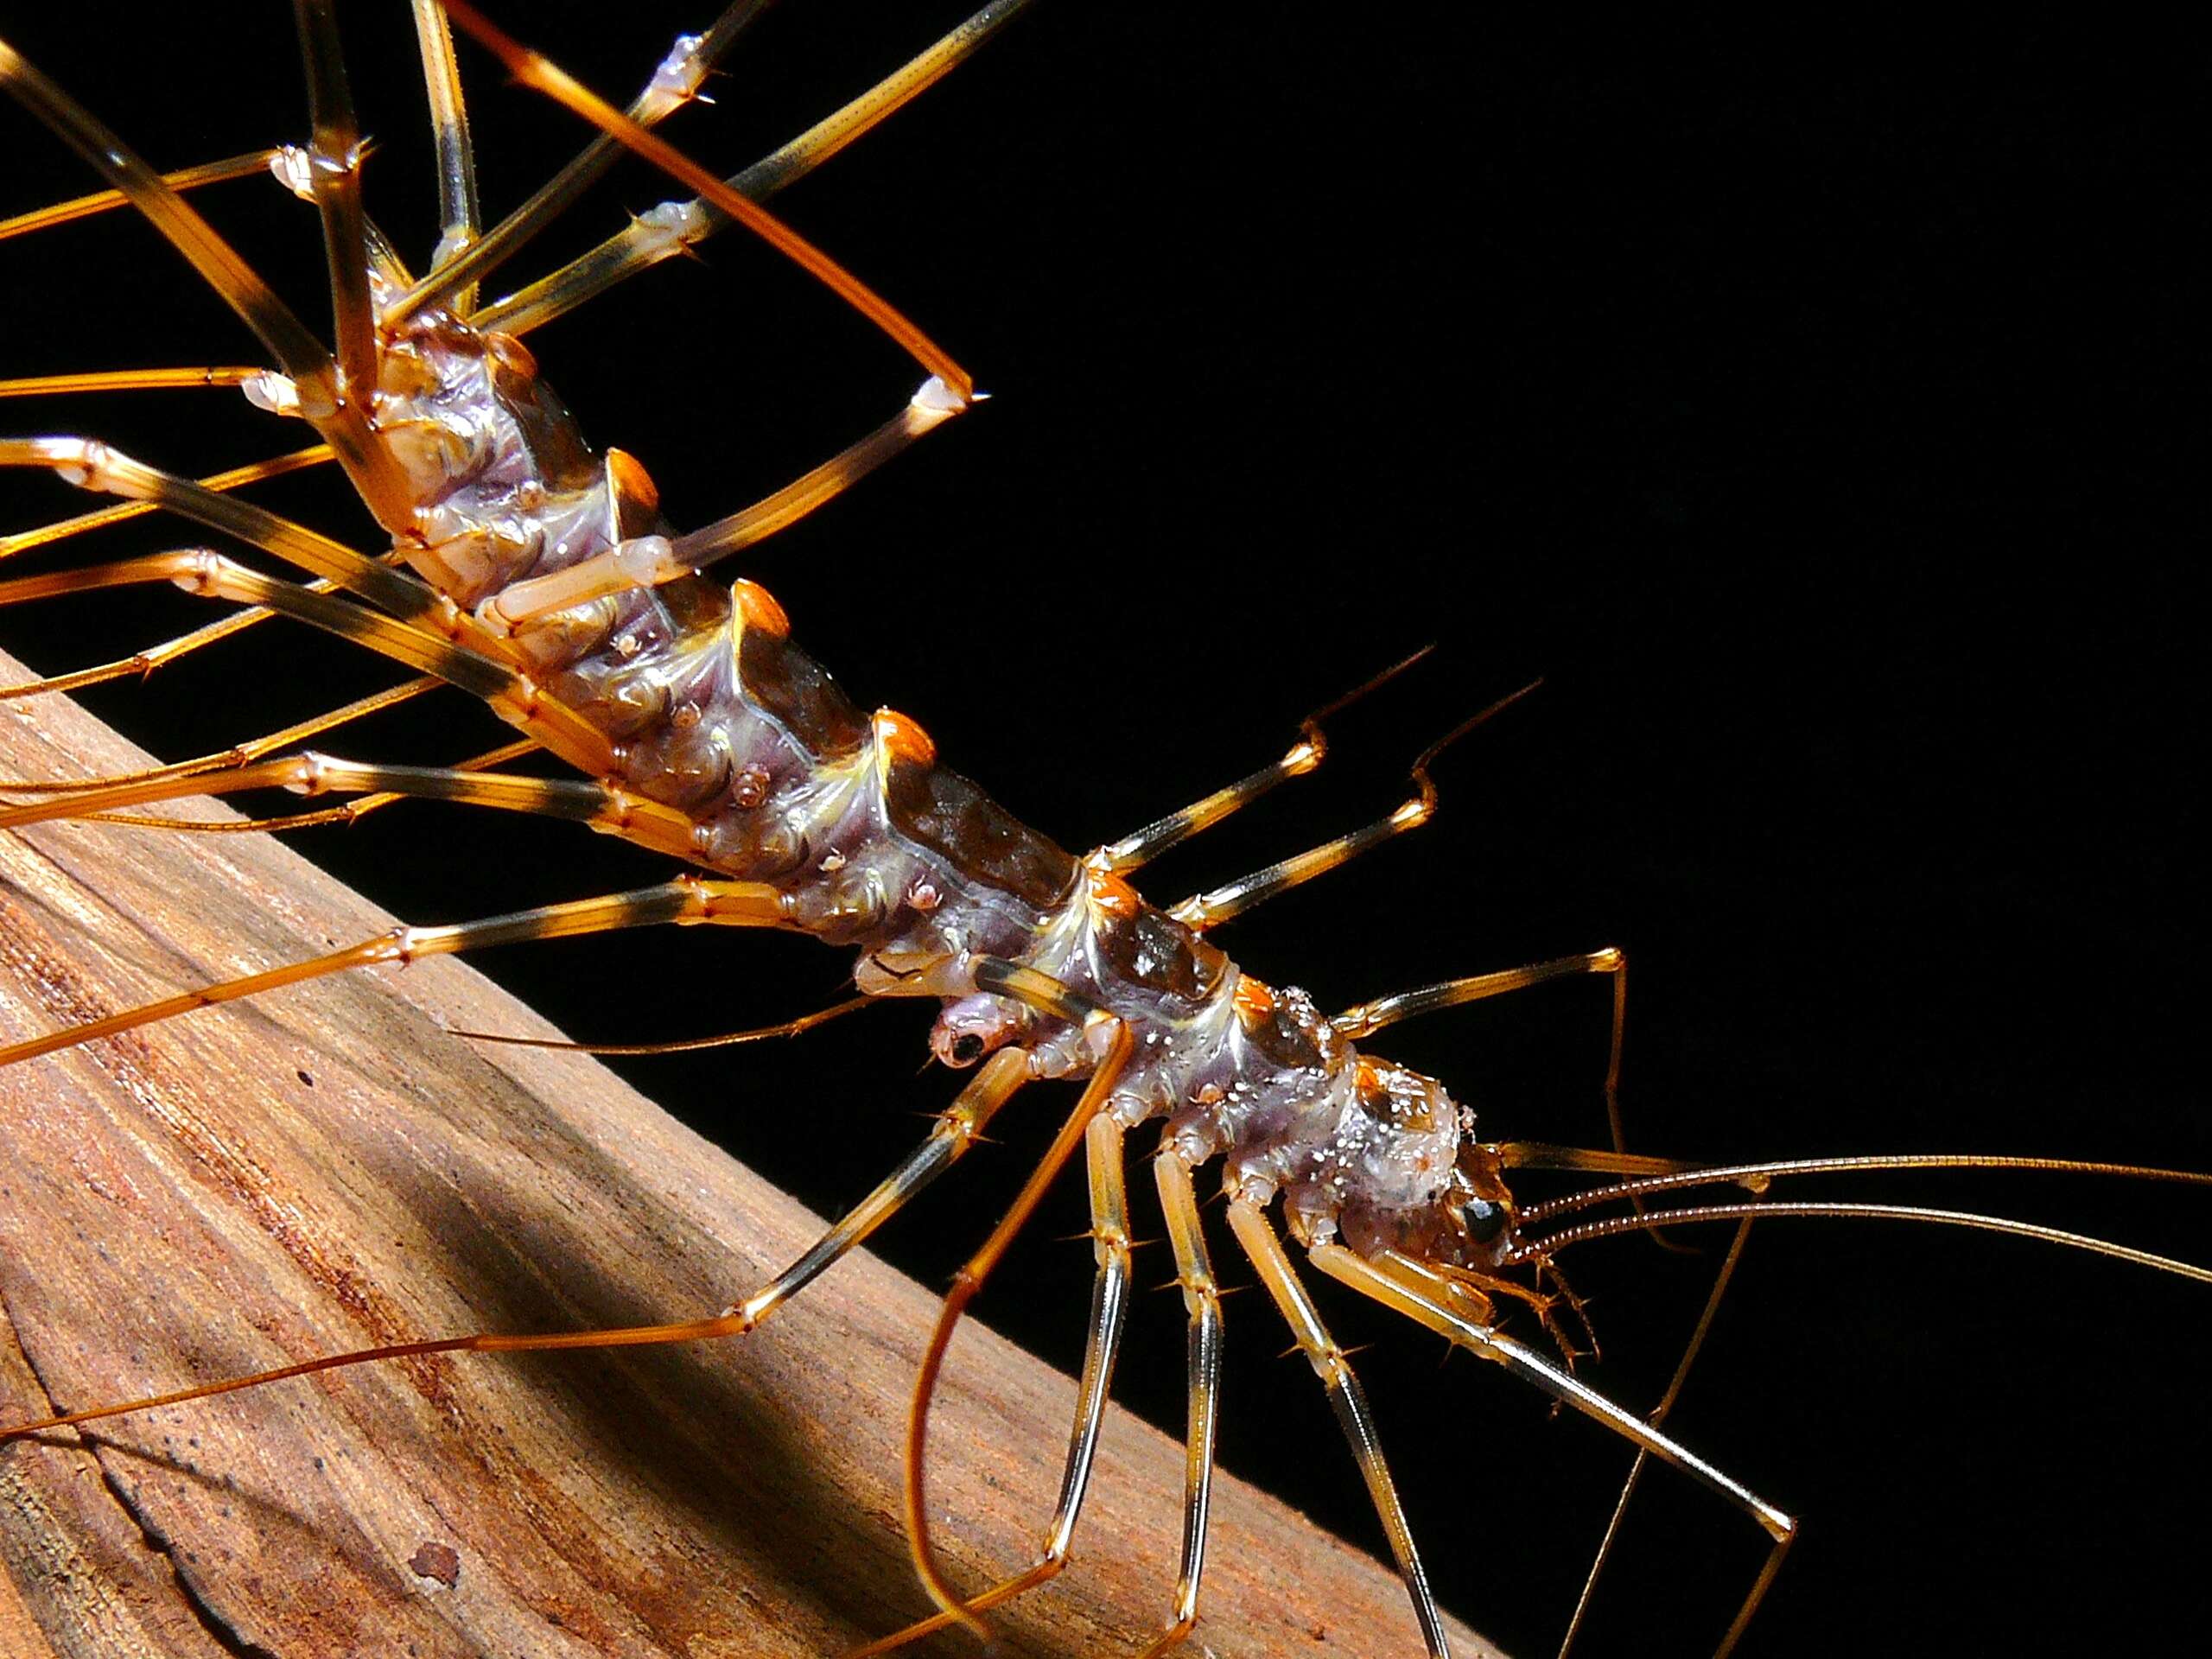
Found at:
[1774, 536]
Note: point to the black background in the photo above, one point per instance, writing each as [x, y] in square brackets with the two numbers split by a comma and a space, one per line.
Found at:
[1803, 403]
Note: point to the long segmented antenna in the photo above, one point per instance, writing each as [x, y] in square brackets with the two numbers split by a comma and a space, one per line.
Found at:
[1611, 1226]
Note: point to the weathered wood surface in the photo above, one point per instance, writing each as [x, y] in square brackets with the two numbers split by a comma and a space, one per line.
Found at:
[325, 1168]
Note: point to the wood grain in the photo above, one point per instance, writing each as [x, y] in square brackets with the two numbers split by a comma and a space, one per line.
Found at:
[326, 1168]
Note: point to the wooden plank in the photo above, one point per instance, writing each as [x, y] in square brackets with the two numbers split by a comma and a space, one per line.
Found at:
[326, 1168]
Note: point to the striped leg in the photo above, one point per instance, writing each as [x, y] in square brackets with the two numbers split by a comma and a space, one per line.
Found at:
[675, 228]
[1205, 910]
[1134, 850]
[955, 1130]
[1202, 1300]
[457, 210]
[1109, 1042]
[340, 423]
[1109, 1234]
[602, 805]
[686, 900]
[197, 571]
[1257, 1235]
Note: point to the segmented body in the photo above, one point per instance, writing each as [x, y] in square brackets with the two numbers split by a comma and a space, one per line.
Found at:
[1775, 685]
[709, 707]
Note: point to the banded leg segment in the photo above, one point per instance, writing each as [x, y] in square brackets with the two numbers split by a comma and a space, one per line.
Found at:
[209, 575]
[1133, 851]
[1110, 1040]
[990, 1090]
[104, 201]
[341, 424]
[1250, 1225]
[1202, 1300]
[534, 70]
[686, 900]
[600, 805]
[457, 210]
[335, 174]
[1205, 910]
[461, 262]
[276, 467]
[1109, 1234]
[91, 464]
[675, 228]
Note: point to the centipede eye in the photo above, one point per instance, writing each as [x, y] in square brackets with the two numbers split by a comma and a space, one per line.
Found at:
[1484, 1220]
[967, 1048]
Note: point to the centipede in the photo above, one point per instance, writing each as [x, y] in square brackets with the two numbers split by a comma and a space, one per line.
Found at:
[1794, 416]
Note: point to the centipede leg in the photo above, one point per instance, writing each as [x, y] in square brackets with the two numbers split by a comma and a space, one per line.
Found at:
[1202, 1300]
[103, 201]
[955, 1132]
[1109, 1233]
[458, 224]
[1304, 756]
[578, 800]
[210, 575]
[1655, 1416]
[1398, 1284]
[1111, 1042]
[93, 466]
[1249, 1223]
[335, 171]
[340, 422]
[686, 900]
[1205, 910]
[234, 478]
[241, 753]
[674, 227]
[674, 83]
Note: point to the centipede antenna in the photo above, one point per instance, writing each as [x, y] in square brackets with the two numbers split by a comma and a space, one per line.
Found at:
[674, 83]
[341, 423]
[1207, 910]
[1613, 1226]
[1133, 851]
[234, 478]
[678, 227]
[537, 71]
[1535, 1155]
[805, 1023]
[102, 202]
[458, 223]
